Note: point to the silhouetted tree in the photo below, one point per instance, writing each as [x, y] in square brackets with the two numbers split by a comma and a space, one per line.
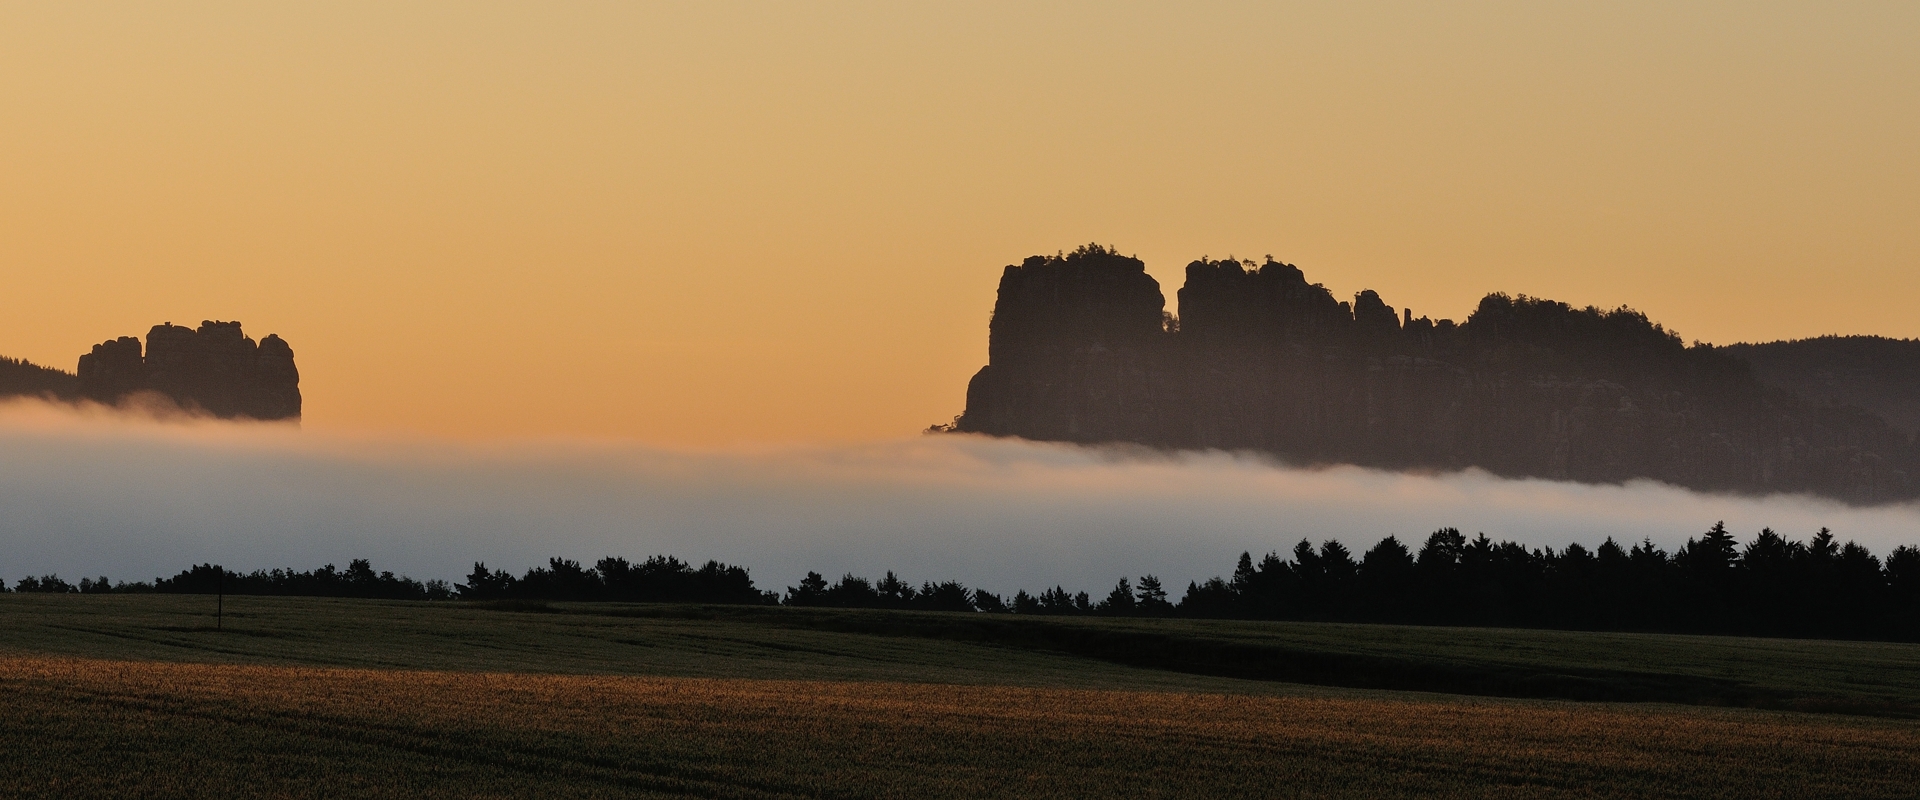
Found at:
[944, 596]
[1569, 594]
[1386, 581]
[483, 583]
[989, 602]
[893, 592]
[1265, 590]
[1707, 571]
[1152, 597]
[45, 584]
[853, 592]
[1903, 586]
[1771, 578]
[1214, 598]
[1439, 587]
[812, 591]
[561, 579]
[1056, 601]
[1119, 602]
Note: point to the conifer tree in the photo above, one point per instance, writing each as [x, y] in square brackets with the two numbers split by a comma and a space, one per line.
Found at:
[812, 591]
[1153, 597]
[1119, 602]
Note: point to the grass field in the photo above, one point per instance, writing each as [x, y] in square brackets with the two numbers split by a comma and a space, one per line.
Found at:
[137, 695]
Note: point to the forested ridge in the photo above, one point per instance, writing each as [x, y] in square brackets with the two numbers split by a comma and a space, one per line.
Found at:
[1770, 585]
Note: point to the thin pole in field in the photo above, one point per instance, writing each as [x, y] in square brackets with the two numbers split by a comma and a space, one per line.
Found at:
[220, 601]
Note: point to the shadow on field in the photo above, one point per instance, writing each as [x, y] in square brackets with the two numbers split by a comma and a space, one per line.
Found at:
[523, 606]
[1174, 648]
[228, 630]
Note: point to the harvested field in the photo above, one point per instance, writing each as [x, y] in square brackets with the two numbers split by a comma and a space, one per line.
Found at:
[1869, 678]
[87, 727]
[120, 695]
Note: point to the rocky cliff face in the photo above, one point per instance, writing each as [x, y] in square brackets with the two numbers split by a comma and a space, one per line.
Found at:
[215, 368]
[1073, 350]
[1262, 360]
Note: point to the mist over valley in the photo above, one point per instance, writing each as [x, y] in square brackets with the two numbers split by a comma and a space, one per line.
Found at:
[95, 491]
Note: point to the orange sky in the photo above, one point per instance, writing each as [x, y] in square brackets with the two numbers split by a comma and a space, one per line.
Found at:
[705, 223]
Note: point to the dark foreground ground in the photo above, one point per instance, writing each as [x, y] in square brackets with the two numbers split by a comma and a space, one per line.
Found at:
[140, 696]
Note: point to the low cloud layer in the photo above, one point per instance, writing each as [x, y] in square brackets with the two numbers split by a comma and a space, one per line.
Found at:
[97, 492]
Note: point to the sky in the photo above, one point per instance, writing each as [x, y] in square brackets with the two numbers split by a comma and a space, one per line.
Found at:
[712, 224]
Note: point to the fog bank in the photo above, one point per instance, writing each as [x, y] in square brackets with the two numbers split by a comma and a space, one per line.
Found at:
[95, 492]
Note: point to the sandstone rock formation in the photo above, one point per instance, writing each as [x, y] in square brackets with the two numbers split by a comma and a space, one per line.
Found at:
[1259, 359]
[215, 368]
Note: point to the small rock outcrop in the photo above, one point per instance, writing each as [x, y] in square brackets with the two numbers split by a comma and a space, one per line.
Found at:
[1080, 350]
[216, 368]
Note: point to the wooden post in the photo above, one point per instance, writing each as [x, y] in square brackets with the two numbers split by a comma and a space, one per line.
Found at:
[220, 601]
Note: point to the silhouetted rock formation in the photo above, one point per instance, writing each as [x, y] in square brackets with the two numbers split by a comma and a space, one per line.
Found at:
[216, 368]
[1259, 359]
[113, 370]
[1073, 350]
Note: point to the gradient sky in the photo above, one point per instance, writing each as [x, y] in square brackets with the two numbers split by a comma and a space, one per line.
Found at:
[710, 223]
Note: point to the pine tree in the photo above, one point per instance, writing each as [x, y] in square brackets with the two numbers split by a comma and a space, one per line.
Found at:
[1386, 580]
[853, 592]
[893, 592]
[1711, 556]
[1056, 601]
[1119, 602]
[1153, 597]
[1243, 574]
[944, 596]
[812, 591]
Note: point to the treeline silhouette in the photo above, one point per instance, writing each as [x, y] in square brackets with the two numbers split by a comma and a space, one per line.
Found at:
[1771, 585]
[660, 579]
[891, 592]
[19, 377]
[357, 580]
